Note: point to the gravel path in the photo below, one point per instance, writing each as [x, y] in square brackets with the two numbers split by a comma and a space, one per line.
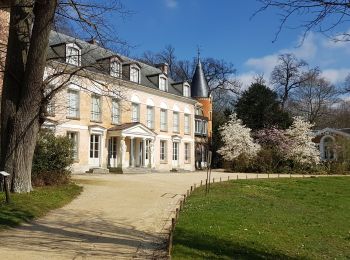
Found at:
[116, 217]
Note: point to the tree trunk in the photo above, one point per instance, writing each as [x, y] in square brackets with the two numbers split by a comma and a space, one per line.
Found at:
[30, 26]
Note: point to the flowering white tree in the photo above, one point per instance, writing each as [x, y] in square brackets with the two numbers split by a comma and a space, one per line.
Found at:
[302, 149]
[237, 140]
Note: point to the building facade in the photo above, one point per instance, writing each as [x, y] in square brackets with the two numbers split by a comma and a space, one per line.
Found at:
[124, 115]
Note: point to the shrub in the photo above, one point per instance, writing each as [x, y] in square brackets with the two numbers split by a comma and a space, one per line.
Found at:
[52, 158]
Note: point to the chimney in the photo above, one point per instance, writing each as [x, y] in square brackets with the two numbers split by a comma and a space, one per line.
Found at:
[164, 67]
[93, 41]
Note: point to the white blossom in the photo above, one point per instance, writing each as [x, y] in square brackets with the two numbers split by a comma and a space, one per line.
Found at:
[237, 140]
[303, 150]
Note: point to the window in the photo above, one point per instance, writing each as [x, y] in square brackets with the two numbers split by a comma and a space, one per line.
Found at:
[186, 91]
[187, 152]
[73, 103]
[134, 74]
[74, 137]
[147, 149]
[95, 108]
[198, 128]
[162, 84]
[150, 117]
[176, 122]
[50, 108]
[163, 120]
[112, 145]
[187, 124]
[115, 69]
[73, 55]
[115, 111]
[175, 151]
[205, 127]
[135, 112]
[162, 150]
[94, 146]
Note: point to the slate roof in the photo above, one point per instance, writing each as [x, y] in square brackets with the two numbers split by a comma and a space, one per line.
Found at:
[92, 53]
[199, 86]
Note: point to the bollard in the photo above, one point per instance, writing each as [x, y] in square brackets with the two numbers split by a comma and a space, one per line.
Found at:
[228, 178]
[290, 175]
[170, 243]
[181, 205]
[257, 176]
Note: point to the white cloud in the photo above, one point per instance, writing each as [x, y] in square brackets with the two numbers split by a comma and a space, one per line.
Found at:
[317, 50]
[171, 3]
[336, 76]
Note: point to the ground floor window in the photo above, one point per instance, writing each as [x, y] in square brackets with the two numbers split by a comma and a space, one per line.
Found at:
[175, 151]
[74, 137]
[162, 150]
[95, 146]
[113, 147]
[187, 152]
[147, 149]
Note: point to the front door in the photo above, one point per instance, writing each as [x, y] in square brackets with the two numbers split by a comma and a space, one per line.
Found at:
[95, 150]
[175, 154]
[113, 161]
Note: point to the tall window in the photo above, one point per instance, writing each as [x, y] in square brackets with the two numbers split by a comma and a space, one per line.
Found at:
[187, 124]
[186, 90]
[73, 103]
[96, 108]
[198, 124]
[187, 152]
[162, 84]
[115, 111]
[163, 120]
[176, 122]
[134, 74]
[73, 55]
[135, 112]
[163, 150]
[115, 69]
[150, 117]
[74, 137]
[205, 127]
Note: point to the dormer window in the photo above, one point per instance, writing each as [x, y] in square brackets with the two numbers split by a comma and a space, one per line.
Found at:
[186, 91]
[73, 54]
[162, 84]
[134, 74]
[115, 69]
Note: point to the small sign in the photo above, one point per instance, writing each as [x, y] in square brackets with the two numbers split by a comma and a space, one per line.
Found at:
[5, 174]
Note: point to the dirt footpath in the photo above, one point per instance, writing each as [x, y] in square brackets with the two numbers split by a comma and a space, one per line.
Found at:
[116, 217]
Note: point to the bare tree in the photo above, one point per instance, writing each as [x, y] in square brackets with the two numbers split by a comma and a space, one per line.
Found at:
[288, 75]
[314, 98]
[25, 98]
[322, 16]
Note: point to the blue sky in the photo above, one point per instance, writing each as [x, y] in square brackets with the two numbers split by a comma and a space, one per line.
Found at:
[223, 29]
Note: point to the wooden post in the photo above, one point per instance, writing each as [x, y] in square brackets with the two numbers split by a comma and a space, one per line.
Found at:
[6, 186]
[191, 189]
[257, 176]
[237, 176]
[213, 180]
[172, 224]
[201, 183]
[278, 175]
[188, 193]
[206, 186]
[170, 243]
[181, 205]
[268, 175]
[228, 178]
[177, 214]
[290, 175]
[194, 186]
[220, 179]
[246, 176]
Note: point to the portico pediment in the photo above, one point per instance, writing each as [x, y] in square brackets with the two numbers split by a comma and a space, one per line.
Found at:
[132, 130]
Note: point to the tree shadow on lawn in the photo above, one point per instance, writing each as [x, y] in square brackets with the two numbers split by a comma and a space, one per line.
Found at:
[216, 248]
[11, 217]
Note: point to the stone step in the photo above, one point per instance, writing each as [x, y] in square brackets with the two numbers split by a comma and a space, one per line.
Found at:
[137, 170]
[98, 171]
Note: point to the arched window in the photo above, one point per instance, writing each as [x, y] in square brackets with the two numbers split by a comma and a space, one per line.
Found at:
[115, 69]
[73, 54]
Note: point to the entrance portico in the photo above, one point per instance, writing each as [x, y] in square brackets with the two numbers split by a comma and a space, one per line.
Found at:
[131, 145]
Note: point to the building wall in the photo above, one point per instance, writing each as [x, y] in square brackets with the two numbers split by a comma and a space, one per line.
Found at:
[131, 91]
[207, 104]
[4, 26]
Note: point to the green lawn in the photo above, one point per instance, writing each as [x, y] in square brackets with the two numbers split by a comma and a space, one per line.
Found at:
[267, 219]
[25, 207]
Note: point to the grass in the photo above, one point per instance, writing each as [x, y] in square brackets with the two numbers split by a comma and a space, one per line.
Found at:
[267, 219]
[25, 207]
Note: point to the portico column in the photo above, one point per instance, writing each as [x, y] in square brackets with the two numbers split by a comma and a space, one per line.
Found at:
[132, 155]
[151, 153]
[122, 151]
[144, 152]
